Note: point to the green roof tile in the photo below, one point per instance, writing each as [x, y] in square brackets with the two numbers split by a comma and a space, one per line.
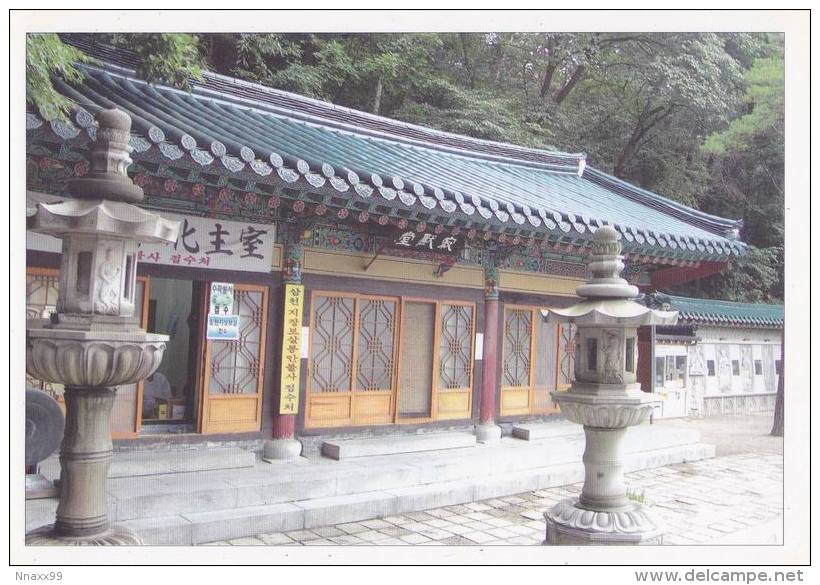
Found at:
[724, 312]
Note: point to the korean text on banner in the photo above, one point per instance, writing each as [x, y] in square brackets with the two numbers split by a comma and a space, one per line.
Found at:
[291, 349]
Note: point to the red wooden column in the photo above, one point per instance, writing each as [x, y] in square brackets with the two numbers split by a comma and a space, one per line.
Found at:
[284, 444]
[487, 430]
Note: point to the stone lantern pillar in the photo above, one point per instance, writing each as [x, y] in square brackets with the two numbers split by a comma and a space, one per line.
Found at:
[94, 343]
[606, 399]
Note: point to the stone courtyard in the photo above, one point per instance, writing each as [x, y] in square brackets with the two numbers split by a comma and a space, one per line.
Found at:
[734, 498]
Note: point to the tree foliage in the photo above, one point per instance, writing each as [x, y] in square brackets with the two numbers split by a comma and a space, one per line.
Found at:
[172, 59]
[47, 57]
[695, 116]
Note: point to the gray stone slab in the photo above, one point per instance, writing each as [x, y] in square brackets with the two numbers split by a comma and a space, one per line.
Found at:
[248, 521]
[348, 448]
[163, 530]
[546, 430]
[347, 508]
[137, 463]
[128, 464]
[504, 485]
[373, 478]
[287, 490]
[163, 504]
[437, 495]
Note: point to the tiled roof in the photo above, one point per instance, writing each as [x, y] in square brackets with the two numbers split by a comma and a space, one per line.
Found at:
[710, 312]
[235, 127]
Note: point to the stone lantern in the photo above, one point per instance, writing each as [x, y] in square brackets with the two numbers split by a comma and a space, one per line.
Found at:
[93, 342]
[606, 399]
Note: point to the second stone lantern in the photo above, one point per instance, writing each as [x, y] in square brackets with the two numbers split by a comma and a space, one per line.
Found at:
[606, 399]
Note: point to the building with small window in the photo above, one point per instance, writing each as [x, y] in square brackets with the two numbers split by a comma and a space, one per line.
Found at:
[386, 277]
[721, 357]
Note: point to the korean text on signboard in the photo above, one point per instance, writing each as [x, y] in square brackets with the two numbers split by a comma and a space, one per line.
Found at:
[202, 243]
[215, 243]
[223, 327]
[427, 242]
[291, 349]
[223, 324]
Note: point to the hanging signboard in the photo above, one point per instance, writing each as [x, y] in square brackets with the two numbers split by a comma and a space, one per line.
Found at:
[291, 349]
[202, 243]
[426, 242]
[223, 325]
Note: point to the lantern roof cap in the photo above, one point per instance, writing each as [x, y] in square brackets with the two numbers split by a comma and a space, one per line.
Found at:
[610, 312]
[109, 218]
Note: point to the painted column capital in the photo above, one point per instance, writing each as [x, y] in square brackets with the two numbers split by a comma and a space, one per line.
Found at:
[491, 277]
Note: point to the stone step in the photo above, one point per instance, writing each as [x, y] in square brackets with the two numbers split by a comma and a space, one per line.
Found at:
[502, 464]
[163, 462]
[208, 526]
[546, 430]
[339, 449]
[180, 461]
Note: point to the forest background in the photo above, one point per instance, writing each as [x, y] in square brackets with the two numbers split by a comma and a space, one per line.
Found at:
[697, 117]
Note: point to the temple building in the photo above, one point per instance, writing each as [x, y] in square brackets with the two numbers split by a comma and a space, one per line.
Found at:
[386, 277]
[720, 358]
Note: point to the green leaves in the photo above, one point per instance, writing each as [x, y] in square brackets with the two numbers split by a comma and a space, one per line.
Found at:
[172, 59]
[764, 97]
[47, 57]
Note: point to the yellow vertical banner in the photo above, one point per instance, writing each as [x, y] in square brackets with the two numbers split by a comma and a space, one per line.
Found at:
[291, 349]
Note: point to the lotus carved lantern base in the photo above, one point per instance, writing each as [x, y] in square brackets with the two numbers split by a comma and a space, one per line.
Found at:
[570, 524]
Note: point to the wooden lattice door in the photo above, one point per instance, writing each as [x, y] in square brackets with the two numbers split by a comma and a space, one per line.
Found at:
[233, 376]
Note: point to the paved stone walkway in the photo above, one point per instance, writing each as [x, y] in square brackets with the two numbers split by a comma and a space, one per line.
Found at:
[700, 503]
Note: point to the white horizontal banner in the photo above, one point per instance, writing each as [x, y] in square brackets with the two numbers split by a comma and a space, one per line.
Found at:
[202, 243]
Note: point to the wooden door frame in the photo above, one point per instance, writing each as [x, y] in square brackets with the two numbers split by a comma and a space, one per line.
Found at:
[146, 295]
[354, 369]
[530, 387]
[309, 376]
[203, 389]
[535, 314]
[433, 365]
[468, 390]
[435, 390]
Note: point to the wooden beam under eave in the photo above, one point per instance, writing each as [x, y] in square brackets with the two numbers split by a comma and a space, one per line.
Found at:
[666, 277]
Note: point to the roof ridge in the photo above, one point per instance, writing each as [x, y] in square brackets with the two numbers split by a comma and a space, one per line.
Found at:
[725, 302]
[707, 221]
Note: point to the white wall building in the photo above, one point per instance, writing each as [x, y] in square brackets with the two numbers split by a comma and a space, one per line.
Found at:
[721, 357]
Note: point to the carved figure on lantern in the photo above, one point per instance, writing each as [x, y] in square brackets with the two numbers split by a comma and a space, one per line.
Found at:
[107, 293]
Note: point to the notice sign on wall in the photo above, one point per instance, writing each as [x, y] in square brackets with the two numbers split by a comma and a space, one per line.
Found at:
[223, 324]
[291, 349]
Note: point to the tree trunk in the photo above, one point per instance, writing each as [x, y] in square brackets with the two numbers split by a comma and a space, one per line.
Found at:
[499, 60]
[644, 125]
[468, 65]
[777, 425]
[627, 152]
[377, 99]
[552, 65]
[571, 83]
